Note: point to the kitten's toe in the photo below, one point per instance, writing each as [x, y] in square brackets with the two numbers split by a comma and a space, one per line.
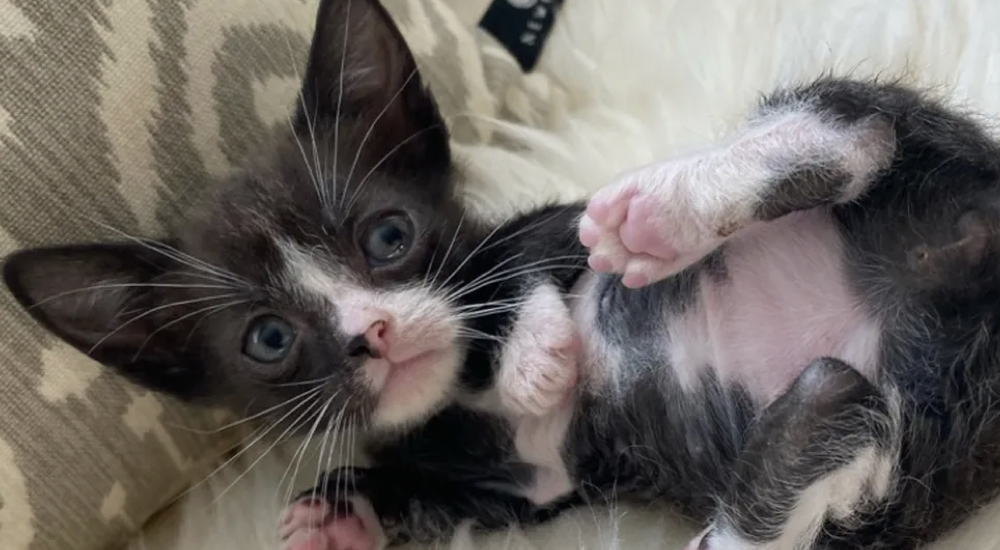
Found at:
[609, 205]
[311, 524]
[643, 269]
[607, 253]
[304, 514]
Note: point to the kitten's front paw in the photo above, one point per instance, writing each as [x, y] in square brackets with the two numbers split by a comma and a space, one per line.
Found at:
[539, 365]
[312, 524]
[656, 221]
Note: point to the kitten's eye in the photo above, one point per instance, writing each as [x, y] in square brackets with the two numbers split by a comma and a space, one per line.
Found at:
[388, 238]
[269, 339]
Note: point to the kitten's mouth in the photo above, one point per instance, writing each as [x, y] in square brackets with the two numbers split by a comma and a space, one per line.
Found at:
[393, 376]
[414, 378]
[413, 362]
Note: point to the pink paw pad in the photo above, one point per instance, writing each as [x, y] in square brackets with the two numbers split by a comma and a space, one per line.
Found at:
[647, 226]
[640, 232]
[314, 525]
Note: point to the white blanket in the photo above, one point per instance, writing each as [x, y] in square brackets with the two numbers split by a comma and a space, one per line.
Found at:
[646, 79]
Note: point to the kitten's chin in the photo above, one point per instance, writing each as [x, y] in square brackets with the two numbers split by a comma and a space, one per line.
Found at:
[413, 389]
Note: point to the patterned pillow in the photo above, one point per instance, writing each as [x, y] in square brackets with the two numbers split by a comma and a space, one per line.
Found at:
[111, 114]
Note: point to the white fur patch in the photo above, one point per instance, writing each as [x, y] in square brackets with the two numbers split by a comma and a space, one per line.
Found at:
[783, 302]
[424, 355]
[539, 441]
[798, 135]
[538, 363]
[736, 174]
[690, 348]
[837, 495]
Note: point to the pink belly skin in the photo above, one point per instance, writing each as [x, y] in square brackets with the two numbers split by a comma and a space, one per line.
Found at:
[783, 302]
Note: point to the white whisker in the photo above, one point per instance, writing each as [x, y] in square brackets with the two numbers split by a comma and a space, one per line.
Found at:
[246, 447]
[317, 186]
[173, 253]
[371, 127]
[470, 255]
[207, 311]
[327, 434]
[538, 266]
[352, 439]
[457, 293]
[384, 158]
[303, 448]
[281, 438]
[154, 310]
[340, 100]
[444, 259]
[255, 416]
[118, 286]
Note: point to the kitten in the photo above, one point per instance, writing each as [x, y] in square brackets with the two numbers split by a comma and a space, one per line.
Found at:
[795, 340]
[338, 278]
[805, 358]
[801, 351]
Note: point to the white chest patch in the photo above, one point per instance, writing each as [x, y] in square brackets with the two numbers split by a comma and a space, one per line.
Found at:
[783, 302]
[539, 441]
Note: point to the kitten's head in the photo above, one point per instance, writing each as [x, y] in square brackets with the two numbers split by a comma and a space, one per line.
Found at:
[306, 276]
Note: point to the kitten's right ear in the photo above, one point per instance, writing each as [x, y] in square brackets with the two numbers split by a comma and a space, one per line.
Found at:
[362, 77]
[95, 297]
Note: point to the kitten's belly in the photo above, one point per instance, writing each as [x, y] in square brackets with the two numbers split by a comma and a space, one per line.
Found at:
[780, 301]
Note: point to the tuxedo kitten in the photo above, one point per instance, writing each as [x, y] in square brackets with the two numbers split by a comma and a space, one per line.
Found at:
[796, 340]
[337, 278]
[798, 348]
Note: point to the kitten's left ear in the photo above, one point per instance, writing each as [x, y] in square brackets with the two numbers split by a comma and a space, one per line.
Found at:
[362, 76]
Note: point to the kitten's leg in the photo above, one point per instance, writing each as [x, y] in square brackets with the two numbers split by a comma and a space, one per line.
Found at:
[821, 144]
[369, 509]
[538, 359]
[534, 260]
[823, 451]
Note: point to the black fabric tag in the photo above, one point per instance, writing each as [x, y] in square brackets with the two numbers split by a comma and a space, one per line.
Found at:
[522, 26]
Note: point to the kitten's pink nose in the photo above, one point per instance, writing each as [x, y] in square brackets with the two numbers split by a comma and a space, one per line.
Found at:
[373, 342]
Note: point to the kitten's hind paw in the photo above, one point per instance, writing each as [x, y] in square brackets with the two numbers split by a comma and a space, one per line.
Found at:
[312, 524]
[654, 222]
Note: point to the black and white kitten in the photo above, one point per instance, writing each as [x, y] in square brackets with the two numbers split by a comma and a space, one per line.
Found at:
[806, 358]
[340, 263]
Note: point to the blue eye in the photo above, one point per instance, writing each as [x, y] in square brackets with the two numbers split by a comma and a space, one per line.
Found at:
[269, 339]
[388, 239]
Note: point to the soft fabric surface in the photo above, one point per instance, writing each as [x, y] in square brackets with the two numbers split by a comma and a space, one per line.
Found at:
[630, 85]
[113, 114]
[97, 107]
